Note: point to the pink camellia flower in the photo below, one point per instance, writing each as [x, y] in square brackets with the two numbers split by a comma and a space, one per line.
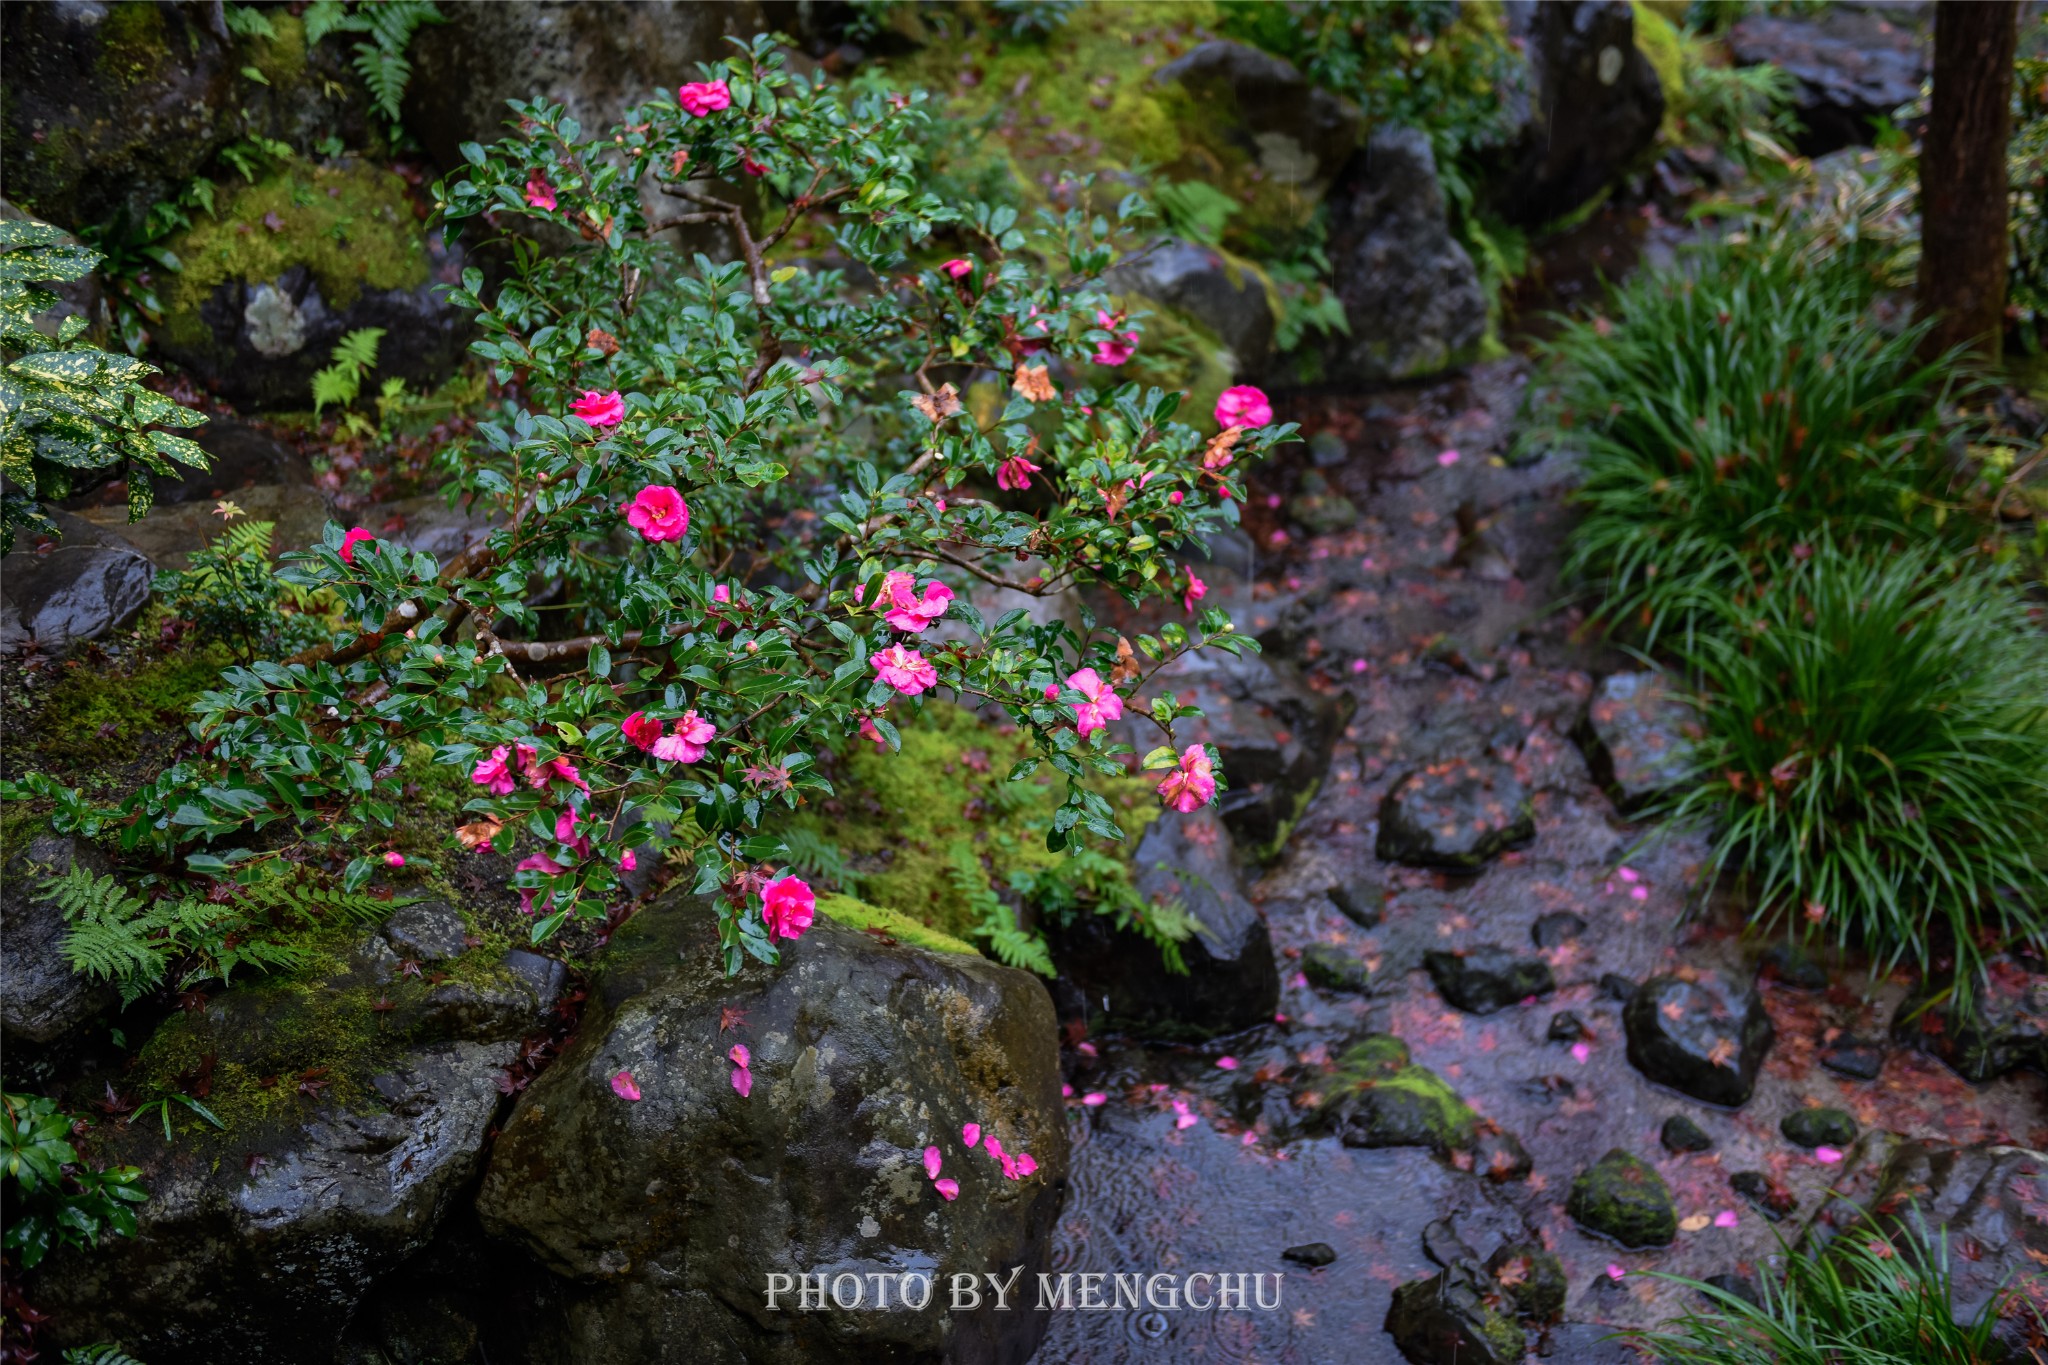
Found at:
[565, 833]
[1176, 497]
[659, 513]
[600, 409]
[355, 536]
[641, 730]
[539, 193]
[931, 1163]
[1015, 473]
[1190, 786]
[1196, 591]
[721, 593]
[1103, 704]
[751, 166]
[1243, 406]
[949, 1189]
[494, 774]
[625, 1087]
[868, 731]
[394, 860]
[699, 98]
[958, 267]
[970, 1133]
[787, 907]
[537, 862]
[914, 613]
[627, 861]
[687, 741]
[538, 775]
[1119, 348]
[905, 670]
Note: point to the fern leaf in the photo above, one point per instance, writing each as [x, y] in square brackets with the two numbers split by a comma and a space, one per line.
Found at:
[100, 1353]
[386, 74]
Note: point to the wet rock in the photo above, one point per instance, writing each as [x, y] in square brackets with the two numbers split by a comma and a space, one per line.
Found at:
[1488, 978]
[1739, 1286]
[1770, 1198]
[1450, 1319]
[89, 581]
[1122, 985]
[1637, 736]
[1314, 1255]
[1532, 1277]
[1852, 66]
[41, 998]
[240, 456]
[1990, 1202]
[1589, 109]
[1585, 1343]
[1379, 1098]
[1362, 902]
[1700, 1033]
[1857, 1058]
[1332, 969]
[1791, 965]
[428, 524]
[1566, 1027]
[668, 1214]
[544, 976]
[1409, 290]
[1621, 1196]
[1499, 1155]
[1296, 134]
[169, 534]
[1458, 813]
[2004, 1028]
[1203, 285]
[428, 931]
[1442, 1244]
[1819, 1127]
[1556, 929]
[1615, 986]
[1681, 1134]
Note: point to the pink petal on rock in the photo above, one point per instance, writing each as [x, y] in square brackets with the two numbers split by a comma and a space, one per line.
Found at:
[1826, 1156]
[971, 1133]
[994, 1147]
[1614, 1272]
[1086, 1049]
[743, 1081]
[1447, 458]
[1627, 874]
[1186, 1121]
[1726, 1219]
[1639, 893]
[1093, 1098]
[625, 1087]
[1581, 1051]
[1250, 1138]
[1027, 1164]
[1066, 1090]
[1226, 1063]
[931, 1163]
[740, 1056]
[949, 1189]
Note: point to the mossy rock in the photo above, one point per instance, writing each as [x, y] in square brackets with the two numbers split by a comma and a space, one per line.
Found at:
[1453, 1317]
[873, 919]
[1820, 1127]
[1621, 1196]
[1380, 1098]
[1533, 1278]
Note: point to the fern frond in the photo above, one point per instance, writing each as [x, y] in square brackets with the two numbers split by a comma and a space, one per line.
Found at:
[818, 857]
[993, 920]
[101, 1353]
[386, 75]
[323, 17]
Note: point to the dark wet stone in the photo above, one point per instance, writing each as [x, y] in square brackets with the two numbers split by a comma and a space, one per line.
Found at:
[1202, 284]
[41, 998]
[1566, 1027]
[1590, 106]
[1499, 1155]
[1852, 67]
[1585, 1343]
[1409, 288]
[1739, 1286]
[671, 1212]
[427, 523]
[1621, 1196]
[1819, 1127]
[1857, 1058]
[1790, 965]
[1637, 736]
[1450, 1319]
[1332, 969]
[1532, 1277]
[544, 976]
[429, 931]
[1362, 902]
[1990, 1202]
[2004, 1028]
[1681, 1134]
[1556, 929]
[1458, 814]
[88, 582]
[1769, 1197]
[1314, 1255]
[1547, 1089]
[1378, 1098]
[240, 456]
[1282, 122]
[1705, 1036]
[1615, 986]
[173, 531]
[1488, 978]
[1442, 1244]
[1120, 984]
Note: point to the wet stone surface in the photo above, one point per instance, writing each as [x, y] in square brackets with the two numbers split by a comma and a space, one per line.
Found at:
[1186, 1164]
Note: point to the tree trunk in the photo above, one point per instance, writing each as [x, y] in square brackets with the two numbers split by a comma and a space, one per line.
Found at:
[1963, 199]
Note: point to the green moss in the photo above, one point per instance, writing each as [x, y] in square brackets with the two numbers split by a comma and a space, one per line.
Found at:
[1657, 39]
[1177, 353]
[858, 914]
[1385, 1100]
[352, 226]
[133, 41]
[73, 724]
[20, 823]
[282, 59]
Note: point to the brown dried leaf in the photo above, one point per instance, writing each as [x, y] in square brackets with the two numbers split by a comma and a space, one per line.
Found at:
[1034, 383]
[938, 406]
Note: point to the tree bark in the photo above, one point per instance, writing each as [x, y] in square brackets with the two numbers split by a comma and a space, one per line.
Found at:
[1963, 194]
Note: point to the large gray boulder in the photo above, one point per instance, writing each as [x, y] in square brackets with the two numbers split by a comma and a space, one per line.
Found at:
[1206, 286]
[41, 998]
[1409, 289]
[90, 580]
[1851, 66]
[669, 1214]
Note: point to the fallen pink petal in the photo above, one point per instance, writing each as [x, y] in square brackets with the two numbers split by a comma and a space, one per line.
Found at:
[624, 1086]
[931, 1163]
[949, 1189]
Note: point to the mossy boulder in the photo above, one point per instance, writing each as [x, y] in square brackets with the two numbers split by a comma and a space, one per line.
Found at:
[1621, 1196]
[667, 1214]
[1380, 1098]
[356, 1099]
[285, 267]
[1820, 1127]
[1532, 1277]
[1455, 1318]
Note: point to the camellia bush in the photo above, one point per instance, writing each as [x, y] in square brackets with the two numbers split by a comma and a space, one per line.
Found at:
[769, 484]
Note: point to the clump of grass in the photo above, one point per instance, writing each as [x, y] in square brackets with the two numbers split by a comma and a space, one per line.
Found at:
[1735, 406]
[1875, 755]
[1862, 1303]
